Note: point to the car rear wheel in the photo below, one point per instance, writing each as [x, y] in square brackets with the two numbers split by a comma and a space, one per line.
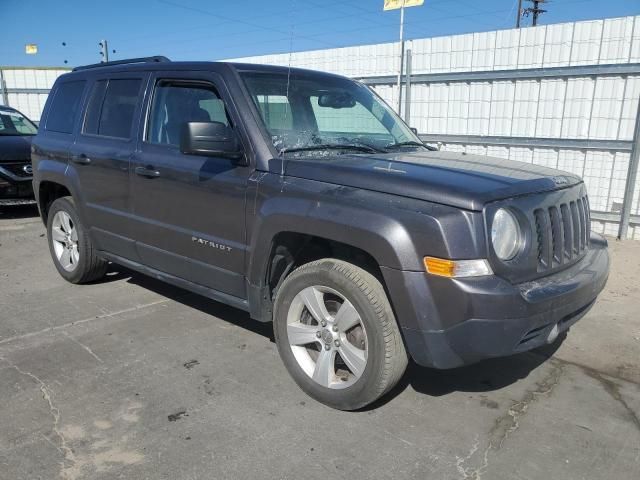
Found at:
[337, 335]
[71, 249]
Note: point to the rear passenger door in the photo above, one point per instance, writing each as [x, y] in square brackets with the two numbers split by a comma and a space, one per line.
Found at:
[189, 209]
[51, 147]
[101, 158]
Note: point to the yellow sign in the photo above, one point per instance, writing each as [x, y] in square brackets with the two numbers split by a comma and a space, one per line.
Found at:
[31, 49]
[395, 4]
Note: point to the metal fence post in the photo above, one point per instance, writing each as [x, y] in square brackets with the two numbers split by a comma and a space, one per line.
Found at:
[401, 71]
[407, 93]
[3, 89]
[632, 174]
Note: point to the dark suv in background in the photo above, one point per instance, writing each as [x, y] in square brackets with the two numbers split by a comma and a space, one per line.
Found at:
[302, 198]
[16, 132]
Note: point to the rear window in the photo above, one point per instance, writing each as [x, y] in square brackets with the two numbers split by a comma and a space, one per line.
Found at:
[112, 107]
[65, 106]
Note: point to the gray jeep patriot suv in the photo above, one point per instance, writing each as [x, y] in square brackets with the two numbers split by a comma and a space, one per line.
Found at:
[302, 198]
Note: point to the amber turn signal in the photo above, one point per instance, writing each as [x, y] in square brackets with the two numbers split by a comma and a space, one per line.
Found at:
[457, 268]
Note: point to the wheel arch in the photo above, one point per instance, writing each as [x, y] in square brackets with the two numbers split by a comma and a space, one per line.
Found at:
[48, 192]
[54, 179]
[277, 249]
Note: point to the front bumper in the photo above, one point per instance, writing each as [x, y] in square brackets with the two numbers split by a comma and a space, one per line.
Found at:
[14, 185]
[447, 323]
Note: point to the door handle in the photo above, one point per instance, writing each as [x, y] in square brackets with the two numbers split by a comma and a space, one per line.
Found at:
[81, 159]
[147, 171]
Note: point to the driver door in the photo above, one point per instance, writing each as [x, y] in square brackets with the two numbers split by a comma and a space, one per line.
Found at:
[188, 210]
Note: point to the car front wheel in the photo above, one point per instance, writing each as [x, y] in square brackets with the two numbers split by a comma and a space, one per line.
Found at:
[337, 335]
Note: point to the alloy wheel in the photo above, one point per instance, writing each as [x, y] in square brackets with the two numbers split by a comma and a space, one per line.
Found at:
[327, 337]
[64, 238]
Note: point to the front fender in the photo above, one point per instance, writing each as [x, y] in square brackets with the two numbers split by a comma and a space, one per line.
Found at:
[396, 231]
[384, 238]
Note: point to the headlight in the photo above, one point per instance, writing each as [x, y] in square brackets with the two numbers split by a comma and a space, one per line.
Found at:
[505, 234]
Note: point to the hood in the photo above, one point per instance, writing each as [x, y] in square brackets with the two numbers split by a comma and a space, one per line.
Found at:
[15, 148]
[449, 178]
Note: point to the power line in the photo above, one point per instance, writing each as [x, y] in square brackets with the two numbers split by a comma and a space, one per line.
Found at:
[229, 21]
[385, 22]
[236, 32]
[417, 27]
[347, 31]
[237, 20]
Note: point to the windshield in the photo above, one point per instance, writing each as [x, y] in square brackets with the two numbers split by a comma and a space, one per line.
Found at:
[14, 123]
[306, 112]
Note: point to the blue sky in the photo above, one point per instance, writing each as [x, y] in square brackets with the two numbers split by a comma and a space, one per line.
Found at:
[216, 29]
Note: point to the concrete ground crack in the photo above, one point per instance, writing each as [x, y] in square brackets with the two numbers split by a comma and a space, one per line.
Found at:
[506, 424]
[609, 386]
[63, 447]
[582, 366]
[613, 390]
[83, 321]
[84, 347]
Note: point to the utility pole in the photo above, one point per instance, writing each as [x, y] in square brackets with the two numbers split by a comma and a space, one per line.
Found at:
[535, 10]
[632, 174]
[519, 14]
[401, 57]
[401, 5]
[3, 90]
[104, 51]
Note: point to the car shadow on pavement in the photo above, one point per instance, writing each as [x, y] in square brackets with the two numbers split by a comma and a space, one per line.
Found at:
[485, 376]
[16, 212]
[229, 314]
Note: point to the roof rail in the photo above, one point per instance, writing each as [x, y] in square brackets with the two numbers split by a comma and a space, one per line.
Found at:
[155, 59]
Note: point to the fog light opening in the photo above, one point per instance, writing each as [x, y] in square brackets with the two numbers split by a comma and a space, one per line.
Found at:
[553, 334]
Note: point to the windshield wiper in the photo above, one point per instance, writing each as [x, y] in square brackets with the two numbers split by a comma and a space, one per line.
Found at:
[334, 146]
[410, 143]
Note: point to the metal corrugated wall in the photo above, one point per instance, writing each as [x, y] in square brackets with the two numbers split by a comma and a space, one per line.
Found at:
[591, 116]
[614, 40]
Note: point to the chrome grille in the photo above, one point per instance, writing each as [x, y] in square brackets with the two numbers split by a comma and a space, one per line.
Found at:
[16, 169]
[562, 233]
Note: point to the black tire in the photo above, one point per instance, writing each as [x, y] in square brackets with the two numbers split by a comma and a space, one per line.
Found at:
[387, 358]
[89, 267]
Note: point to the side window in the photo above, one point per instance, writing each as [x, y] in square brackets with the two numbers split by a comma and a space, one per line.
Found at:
[112, 107]
[177, 103]
[65, 106]
[94, 107]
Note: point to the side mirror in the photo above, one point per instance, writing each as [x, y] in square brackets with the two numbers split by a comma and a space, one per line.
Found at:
[414, 130]
[212, 139]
